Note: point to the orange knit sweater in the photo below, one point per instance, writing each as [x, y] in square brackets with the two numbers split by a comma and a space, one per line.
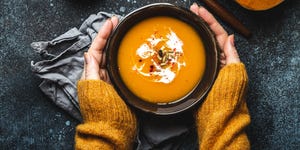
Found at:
[221, 119]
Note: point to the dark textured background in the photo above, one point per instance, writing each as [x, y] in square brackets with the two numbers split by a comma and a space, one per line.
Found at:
[30, 121]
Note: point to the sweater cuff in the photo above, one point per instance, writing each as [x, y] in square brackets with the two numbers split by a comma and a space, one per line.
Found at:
[228, 89]
[104, 135]
[99, 101]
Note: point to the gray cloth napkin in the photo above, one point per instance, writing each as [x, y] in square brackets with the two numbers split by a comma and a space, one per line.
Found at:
[61, 67]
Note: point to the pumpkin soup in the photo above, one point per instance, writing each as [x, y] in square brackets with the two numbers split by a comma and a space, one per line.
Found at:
[161, 59]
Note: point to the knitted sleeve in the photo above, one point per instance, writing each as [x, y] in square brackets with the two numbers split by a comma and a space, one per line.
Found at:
[108, 122]
[223, 116]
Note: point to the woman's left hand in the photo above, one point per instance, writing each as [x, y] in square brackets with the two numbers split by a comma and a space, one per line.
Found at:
[94, 64]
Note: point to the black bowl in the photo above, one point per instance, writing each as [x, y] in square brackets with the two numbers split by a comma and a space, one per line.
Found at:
[185, 15]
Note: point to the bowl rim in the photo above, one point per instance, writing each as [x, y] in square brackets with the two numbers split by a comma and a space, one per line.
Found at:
[162, 110]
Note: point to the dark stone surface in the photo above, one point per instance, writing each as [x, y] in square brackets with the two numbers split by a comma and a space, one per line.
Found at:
[30, 121]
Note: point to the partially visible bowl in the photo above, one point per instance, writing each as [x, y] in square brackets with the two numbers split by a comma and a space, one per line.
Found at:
[211, 49]
[259, 5]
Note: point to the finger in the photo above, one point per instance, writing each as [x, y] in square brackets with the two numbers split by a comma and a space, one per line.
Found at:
[222, 55]
[222, 59]
[84, 67]
[103, 61]
[230, 51]
[194, 8]
[115, 21]
[221, 34]
[104, 75]
[92, 68]
[99, 42]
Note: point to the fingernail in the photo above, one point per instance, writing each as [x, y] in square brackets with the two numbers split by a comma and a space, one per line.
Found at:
[195, 4]
[86, 57]
[113, 15]
[106, 22]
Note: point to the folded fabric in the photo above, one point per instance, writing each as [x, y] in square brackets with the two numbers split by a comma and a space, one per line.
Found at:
[61, 67]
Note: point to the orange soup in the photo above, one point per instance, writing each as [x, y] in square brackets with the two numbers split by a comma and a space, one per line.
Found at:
[161, 59]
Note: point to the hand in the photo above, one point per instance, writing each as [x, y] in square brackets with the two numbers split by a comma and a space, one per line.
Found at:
[229, 54]
[94, 66]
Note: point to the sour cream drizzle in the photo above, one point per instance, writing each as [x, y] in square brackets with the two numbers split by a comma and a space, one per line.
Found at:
[163, 72]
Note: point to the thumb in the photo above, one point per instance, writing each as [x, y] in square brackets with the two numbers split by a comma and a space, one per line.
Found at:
[92, 67]
[230, 51]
